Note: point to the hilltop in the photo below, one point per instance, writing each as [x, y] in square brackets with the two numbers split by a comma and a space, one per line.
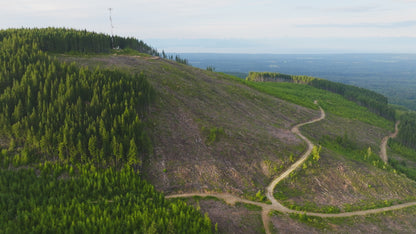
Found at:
[211, 132]
[214, 133]
[193, 131]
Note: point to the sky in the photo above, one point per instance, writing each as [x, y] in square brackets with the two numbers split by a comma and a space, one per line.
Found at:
[233, 26]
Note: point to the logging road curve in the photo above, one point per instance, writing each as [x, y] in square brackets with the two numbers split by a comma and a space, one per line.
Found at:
[275, 205]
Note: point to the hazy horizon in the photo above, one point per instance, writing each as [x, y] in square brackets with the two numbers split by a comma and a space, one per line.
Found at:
[390, 74]
[233, 26]
[286, 46]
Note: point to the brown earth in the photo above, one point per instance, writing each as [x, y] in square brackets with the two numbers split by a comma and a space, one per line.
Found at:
[232, 199]
[230, 219]
[255, 144]
[383, 146]
[343, 182]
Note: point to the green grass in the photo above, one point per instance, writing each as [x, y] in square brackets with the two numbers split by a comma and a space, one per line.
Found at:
[398, 221]
[249, 206]
[313, 221]
[342, 146]
[401, 165]
[213, 134]
[349, 149]
[305, 95]
[406, 152]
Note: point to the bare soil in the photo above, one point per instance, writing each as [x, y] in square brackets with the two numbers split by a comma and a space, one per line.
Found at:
[342, 182]
[254, 148]
[383, 146]
[190, 102]
[230, 219]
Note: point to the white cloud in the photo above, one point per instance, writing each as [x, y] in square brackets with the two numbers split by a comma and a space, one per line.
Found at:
[219, 18]
[407, 1]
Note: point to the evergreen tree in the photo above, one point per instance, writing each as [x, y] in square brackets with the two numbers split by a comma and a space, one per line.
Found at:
[133, 154]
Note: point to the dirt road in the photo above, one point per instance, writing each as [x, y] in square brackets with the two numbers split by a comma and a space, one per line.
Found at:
[232, 199]
[302, 159]
[266, 208]
[383, 145]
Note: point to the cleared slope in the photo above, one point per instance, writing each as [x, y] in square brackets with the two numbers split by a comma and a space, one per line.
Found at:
[346, 178]
[398, 221]
[253, 142]
[256, 129]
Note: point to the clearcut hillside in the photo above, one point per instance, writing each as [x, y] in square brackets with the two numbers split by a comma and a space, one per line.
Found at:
[124, 127]
[216, 133]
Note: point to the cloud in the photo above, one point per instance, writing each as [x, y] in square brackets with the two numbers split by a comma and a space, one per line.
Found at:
[342, 9]
[398, 24]
[353, 9]
[24, 6]
[407, 1]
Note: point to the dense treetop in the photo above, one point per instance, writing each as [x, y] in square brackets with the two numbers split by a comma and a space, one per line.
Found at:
[407, 133]
[72, 141]
[53, 109]
[109, 201]
[61, 40]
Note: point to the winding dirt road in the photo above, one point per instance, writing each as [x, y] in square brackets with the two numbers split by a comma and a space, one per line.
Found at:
[232, 199]
[302, 159]
[266, 208]
[383, 146]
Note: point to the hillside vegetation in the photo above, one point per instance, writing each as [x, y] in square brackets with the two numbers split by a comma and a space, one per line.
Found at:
[52, 109]
[211, 132]
[349, 140]
[334, 103]
[407, 135]
[84, 126]
[61, 40]
[240, 119]
[72, 140]
[373, 101]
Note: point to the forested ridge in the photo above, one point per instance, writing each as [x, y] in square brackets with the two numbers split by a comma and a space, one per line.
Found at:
[61, 40]
[375, 102]
[54, 109]
[73, 139]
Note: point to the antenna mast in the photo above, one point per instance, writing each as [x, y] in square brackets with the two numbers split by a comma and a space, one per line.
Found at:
[112, 27]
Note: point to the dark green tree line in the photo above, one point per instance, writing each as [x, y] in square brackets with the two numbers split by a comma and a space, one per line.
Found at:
[55, 109]
[274, 76]
[61, 40]
[94, 201]
[407, 130]
[375, 102]
[81, 136]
